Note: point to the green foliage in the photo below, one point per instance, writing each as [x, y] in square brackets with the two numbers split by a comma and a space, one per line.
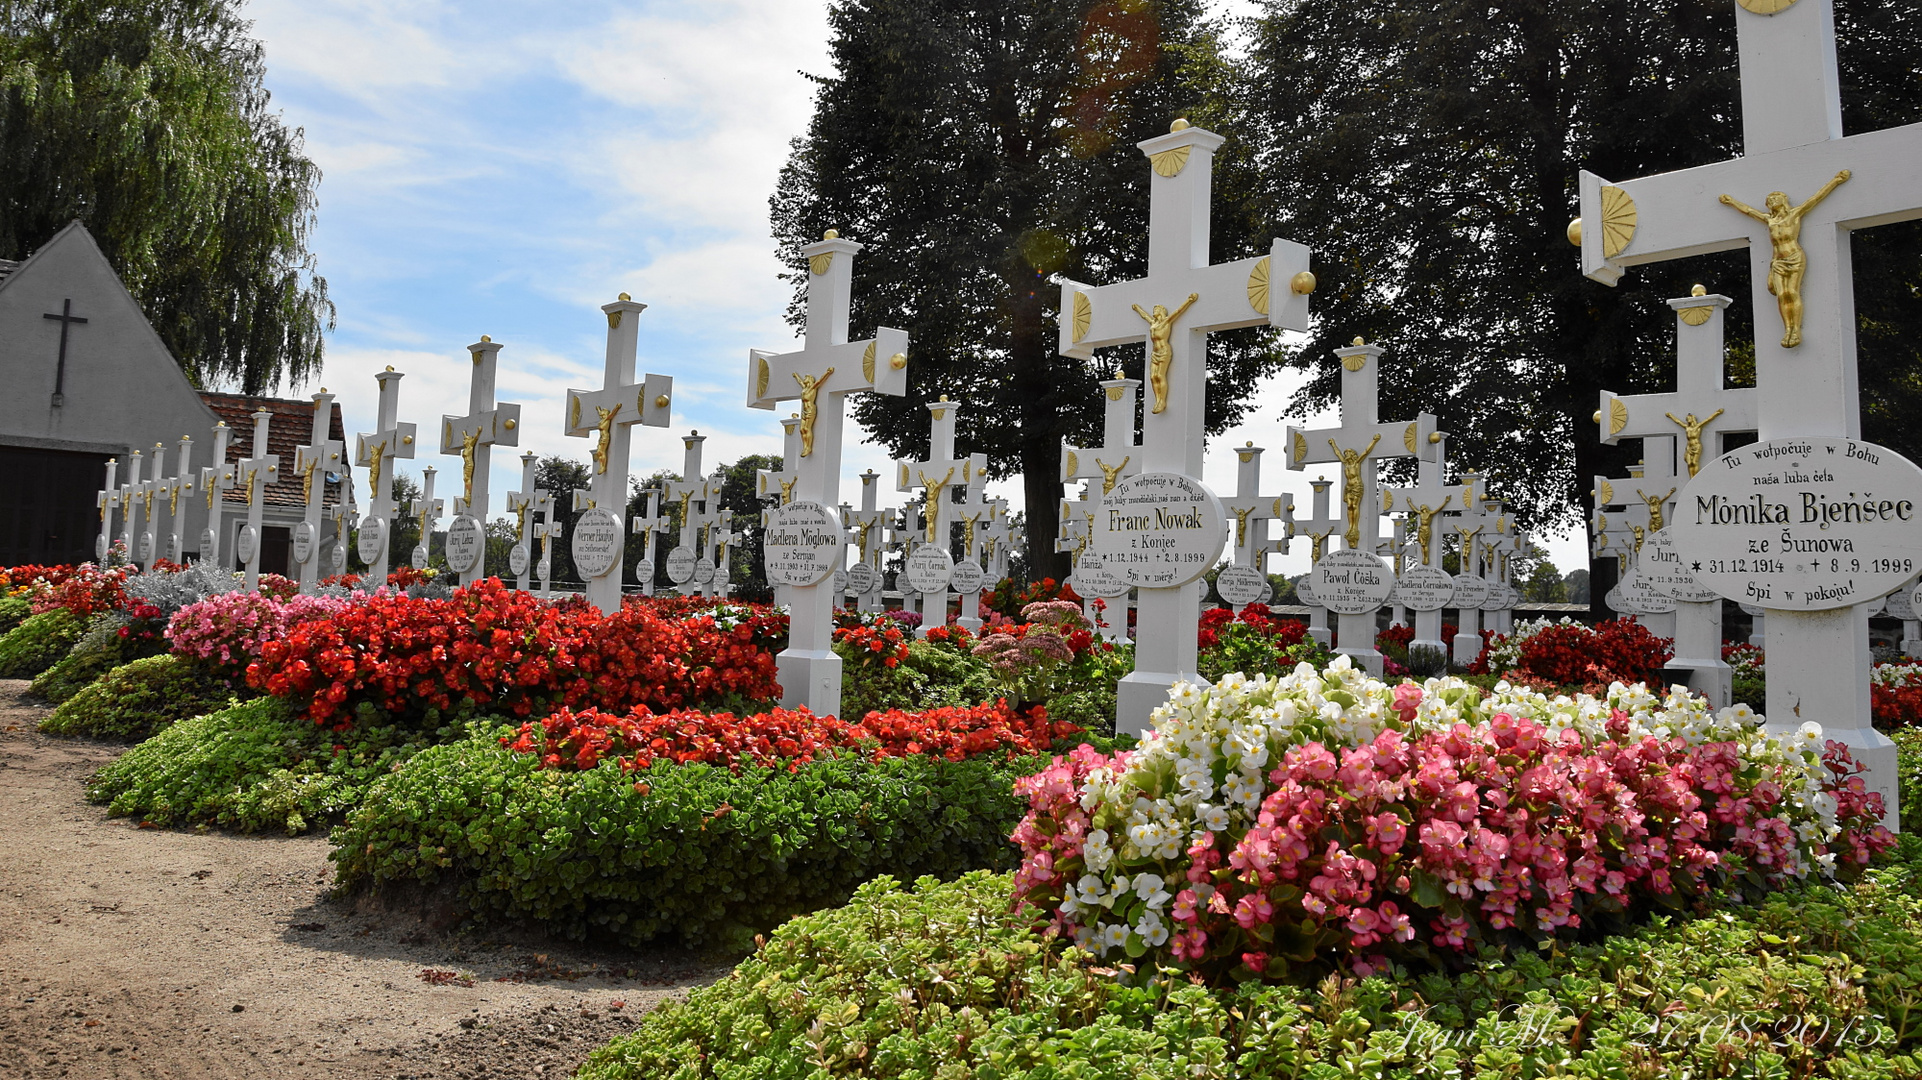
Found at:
[38, 643]
[933, 676]
[149, 122]
[1435, 178]
[137, 699]
[945, 981]
[13, 611]
[1092, 681]
[1751, 690]
[993, 146]
[693, 852]
[250, 767]
[99, 650]
[1908, 774]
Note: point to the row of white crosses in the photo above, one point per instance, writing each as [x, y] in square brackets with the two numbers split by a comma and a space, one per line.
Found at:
[1119, 456]
[1173, 309]
[1806, 382]
[819, 376]
[930, 575]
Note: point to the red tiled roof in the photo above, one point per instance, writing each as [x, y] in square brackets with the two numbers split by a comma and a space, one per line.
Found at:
[289, 428]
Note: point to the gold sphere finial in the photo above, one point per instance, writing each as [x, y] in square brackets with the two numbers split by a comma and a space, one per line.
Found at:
[624, 296]
[1575, 232]
[831, 234]
[1359, 341]
[1250, 442]
[1302, 283]
[1699, 290]
[1598, 416]
[1435, 437]
[390, 367]
[1180, 124]
[485, 339]
[944, 397]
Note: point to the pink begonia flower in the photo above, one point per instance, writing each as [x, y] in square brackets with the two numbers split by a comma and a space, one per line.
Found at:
[1252, 910]
[1408, 698]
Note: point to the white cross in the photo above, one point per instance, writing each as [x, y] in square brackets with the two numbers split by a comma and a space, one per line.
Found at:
[711, 522]
[972, 514]
[609, 414]
[256, 472]
[1430, 498]
[180, 485]
[131, 503]
[942, 472]
[215, 479]
[390, 442]
[521, 505]
[1792, 144]
[1317, 529]
[106, 499]
[778, 485]
[1119, 455]
[312, 463]
[344, 514]
[428, 510]
[868, 544]
[645, 525]
[1173, 309]
[690, 487]
[473, 437]
[1249, 513]
[1001, 536]
[154, 487]
[547, 530]
[1393, 549]
[1471, 527]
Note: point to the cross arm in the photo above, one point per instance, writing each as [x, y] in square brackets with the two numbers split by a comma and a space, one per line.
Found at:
[398, 440]
[1408, 438]
[498, 426]
[1259, 290]
[1642, 416]
[879, 364]
[648, 403]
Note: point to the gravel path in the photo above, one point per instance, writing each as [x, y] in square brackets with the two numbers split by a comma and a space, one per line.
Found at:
[152, 953]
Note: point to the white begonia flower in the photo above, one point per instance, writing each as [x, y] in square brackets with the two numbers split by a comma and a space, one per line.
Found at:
[1155, 936]
[1084, 938]
[1147, 884]
[1214, 817]
[1069, 906]
[1091, 889]
[1113, 936]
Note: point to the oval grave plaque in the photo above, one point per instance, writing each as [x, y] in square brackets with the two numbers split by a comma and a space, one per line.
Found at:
[704, 572]
[1425, 588]
[1802, 524]
[143, 552]
[1470, 591]
[517, 560]
[1092, 578]
[419, 558]
[1305, 590]
[303, 543]
[863, 579]
[1242, 585]
[373, 539]
[246, 544]
[967, 578]
[337, 556]
[545, 570]
[100, 548]
[644, 571]
[804, 543]
[1497, 598]
[1159, 530]
[596, 543]
[840, 583]
[1661, 566]
[1350, 582]
[466, 543]
[1643, 598]
[206, 544]
[929, 569]
[680, 564]
[1898, 606]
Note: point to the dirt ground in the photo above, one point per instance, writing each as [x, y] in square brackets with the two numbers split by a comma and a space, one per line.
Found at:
[131, 952]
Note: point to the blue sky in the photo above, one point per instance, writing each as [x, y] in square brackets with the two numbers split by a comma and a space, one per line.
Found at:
[504, 168]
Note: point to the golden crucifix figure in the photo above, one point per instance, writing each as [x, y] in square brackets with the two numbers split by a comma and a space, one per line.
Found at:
[606, 427]
[1425, 530]
[148, 495]
[787, 490]
[1655, 517]
[307, 480]
[374, 455]
[861, 537]
[1161, 348]
[467, 445]
[1468, 548]
[1351, 486]
[810, 406]
[1108, 475]
[1692, 432]
[1318, 543]
[1241, 525]
[1790, 262]
[934, 498]
[686, 497]
[1640, 535]
[967, 532]
[173, 494]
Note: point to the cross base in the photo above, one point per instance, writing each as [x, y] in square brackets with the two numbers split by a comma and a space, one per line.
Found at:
[1912, 639]
[1360, 631]
[1468, 638]
[811, 678]
[1139, 694]
[1698, 648]
[1819, 670]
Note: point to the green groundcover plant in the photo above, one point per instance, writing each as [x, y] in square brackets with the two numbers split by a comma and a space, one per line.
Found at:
[252, 766]
[133, 701]
[13, 611]
[695, 852]
[39, 642]
[113, 638]
[948, 981]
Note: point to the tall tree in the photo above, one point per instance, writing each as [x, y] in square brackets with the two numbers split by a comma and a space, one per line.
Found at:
[1428, 151]
[148, 122]
[981, 147]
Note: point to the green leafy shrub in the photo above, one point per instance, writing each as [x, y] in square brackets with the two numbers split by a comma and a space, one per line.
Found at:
[933, 675]
[689, 851]
[110, 641]
[1908, 775]
[135, 700]
[38, 643]
[250, 767]
[946, 981]
[13, 611]
[1089, 700]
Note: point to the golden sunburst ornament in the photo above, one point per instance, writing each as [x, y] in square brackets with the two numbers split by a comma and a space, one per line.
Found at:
[1766, 7]
[1618, 220]
[1115, 392]
[1608, 498]
[1696, 316]
[1170, 162]
[818, 264]
[1301, 448]
[1408, 437]
[1617, 416]
[867, 361]
[1074, 463]
[573, 410]
[761, 378]
[1083, 315]
[1355, 361]
[1258, 286]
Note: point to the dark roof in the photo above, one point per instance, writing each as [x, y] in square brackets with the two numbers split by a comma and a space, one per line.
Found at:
[7, 267]
[289, 428]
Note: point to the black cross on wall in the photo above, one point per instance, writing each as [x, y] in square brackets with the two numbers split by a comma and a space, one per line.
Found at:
[66, 318]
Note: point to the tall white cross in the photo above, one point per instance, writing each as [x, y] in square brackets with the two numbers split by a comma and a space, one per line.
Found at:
[473, 437]
[181, 486]
[131, 503]
[1318, 529]
[711, 534]
[152, 490]
[256, 472]
[312, 463]
[1119, 455]
[820, 375]
[1249, 540]
[644, 525]
[390, 442]
[941, 473]
[1794, 157]
[547, 530]
[1430, 498]
[1356, 445]
[343, 515]
[107, 499]
[1173, 310]
[521, 505]
[609, 415]
[215, 480]
[778, 485]
[691, 487]
[428, 510]
[868, 527]
[1471, 527]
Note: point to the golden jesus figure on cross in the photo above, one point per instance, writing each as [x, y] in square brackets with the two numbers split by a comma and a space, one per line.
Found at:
[810, 407]
[1161, 348]
[1351, 487]
[1790, 261]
